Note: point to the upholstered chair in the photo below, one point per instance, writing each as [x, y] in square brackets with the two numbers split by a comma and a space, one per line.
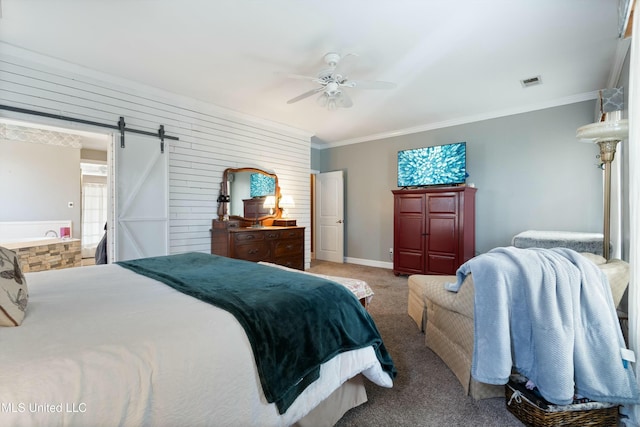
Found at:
[446, 318]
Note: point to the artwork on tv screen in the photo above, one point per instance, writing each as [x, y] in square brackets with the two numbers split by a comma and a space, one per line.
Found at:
[437, 165]
[261, 185]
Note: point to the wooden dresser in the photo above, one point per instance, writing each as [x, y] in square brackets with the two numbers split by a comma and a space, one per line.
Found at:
[279, 245]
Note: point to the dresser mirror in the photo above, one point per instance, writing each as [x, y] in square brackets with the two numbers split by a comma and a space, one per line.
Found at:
[247, 189]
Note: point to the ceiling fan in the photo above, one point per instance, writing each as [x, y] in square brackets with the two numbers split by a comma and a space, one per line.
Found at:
[332, 83]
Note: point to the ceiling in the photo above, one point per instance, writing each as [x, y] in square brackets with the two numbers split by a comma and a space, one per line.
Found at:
[453, 61]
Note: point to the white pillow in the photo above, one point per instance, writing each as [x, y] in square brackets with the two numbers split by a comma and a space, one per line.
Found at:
[13, 289]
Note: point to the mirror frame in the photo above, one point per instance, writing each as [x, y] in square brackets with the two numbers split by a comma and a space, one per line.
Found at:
[225, 188]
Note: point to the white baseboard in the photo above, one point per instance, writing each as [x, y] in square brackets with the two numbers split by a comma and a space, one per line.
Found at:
[369, 263]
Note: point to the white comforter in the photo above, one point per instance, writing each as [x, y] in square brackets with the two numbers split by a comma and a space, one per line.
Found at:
[103, 346]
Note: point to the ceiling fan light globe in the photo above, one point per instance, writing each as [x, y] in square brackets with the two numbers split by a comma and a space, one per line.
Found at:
[322, 100]
[332, 88]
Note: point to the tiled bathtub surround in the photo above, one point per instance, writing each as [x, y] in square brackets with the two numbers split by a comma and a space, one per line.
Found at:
[47, 254]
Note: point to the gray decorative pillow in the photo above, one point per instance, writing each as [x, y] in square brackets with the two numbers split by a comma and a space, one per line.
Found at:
[13, 289]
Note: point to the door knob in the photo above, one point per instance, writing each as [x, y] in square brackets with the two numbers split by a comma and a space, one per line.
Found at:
[339, 221]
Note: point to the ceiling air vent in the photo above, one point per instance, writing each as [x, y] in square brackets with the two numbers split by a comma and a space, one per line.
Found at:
[531, 81]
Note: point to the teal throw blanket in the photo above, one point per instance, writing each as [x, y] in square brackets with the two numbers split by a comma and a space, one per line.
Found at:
[294, 321]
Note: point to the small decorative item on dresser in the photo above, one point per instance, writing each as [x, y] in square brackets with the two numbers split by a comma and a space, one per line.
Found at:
[284, 222]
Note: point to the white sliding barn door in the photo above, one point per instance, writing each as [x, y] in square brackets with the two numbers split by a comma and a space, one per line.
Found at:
[141, 198]
[330, 216]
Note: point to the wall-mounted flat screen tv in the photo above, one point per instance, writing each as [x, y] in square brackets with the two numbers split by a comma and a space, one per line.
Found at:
[261, 185]
[436, 165]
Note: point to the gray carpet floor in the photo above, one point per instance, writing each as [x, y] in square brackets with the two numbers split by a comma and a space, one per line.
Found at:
[425, 392]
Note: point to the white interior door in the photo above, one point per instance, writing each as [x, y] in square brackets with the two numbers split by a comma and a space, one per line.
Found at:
[141, 225]
[330, 216]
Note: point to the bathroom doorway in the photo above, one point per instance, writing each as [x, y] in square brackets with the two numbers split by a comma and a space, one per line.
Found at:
[53, 173]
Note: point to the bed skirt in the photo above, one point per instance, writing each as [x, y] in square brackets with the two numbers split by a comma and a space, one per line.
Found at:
[350, 395]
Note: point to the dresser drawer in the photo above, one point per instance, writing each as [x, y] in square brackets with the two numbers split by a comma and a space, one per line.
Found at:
[288, 247]
[272, 234]
[252, 252]
[249, 236]
[296, 262]
[297, 233]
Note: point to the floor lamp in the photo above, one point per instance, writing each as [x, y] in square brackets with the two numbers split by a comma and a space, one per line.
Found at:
[606, 133]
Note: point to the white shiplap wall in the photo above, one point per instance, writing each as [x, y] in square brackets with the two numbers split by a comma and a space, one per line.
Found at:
[211, 138]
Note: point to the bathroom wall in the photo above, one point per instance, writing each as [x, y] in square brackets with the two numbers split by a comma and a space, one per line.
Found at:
[39, 181]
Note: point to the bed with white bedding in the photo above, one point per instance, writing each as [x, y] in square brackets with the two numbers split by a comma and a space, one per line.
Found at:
[106, 346]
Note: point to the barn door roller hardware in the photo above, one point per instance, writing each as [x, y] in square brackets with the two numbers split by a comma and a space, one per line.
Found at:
[161, 136]
[121, 126]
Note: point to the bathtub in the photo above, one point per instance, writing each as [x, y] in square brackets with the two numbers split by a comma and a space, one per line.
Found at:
[45, 253]
[27, 231]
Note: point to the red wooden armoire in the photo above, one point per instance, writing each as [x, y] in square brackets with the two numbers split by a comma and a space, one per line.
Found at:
[433, 229]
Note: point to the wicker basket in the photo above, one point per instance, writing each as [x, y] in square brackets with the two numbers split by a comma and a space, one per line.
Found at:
[589, 414]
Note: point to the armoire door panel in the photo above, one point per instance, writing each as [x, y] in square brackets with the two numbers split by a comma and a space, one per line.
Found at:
[446, 203]
[443, 234]
[410, 262]
[411, 232]
[410, 205]
[441, 264]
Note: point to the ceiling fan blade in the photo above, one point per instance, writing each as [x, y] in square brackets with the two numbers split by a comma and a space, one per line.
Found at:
[301, 77]
[305, 95]
[363, 84]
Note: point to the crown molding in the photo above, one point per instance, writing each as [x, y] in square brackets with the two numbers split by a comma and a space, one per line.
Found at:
[622, 49]
[465, 120]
